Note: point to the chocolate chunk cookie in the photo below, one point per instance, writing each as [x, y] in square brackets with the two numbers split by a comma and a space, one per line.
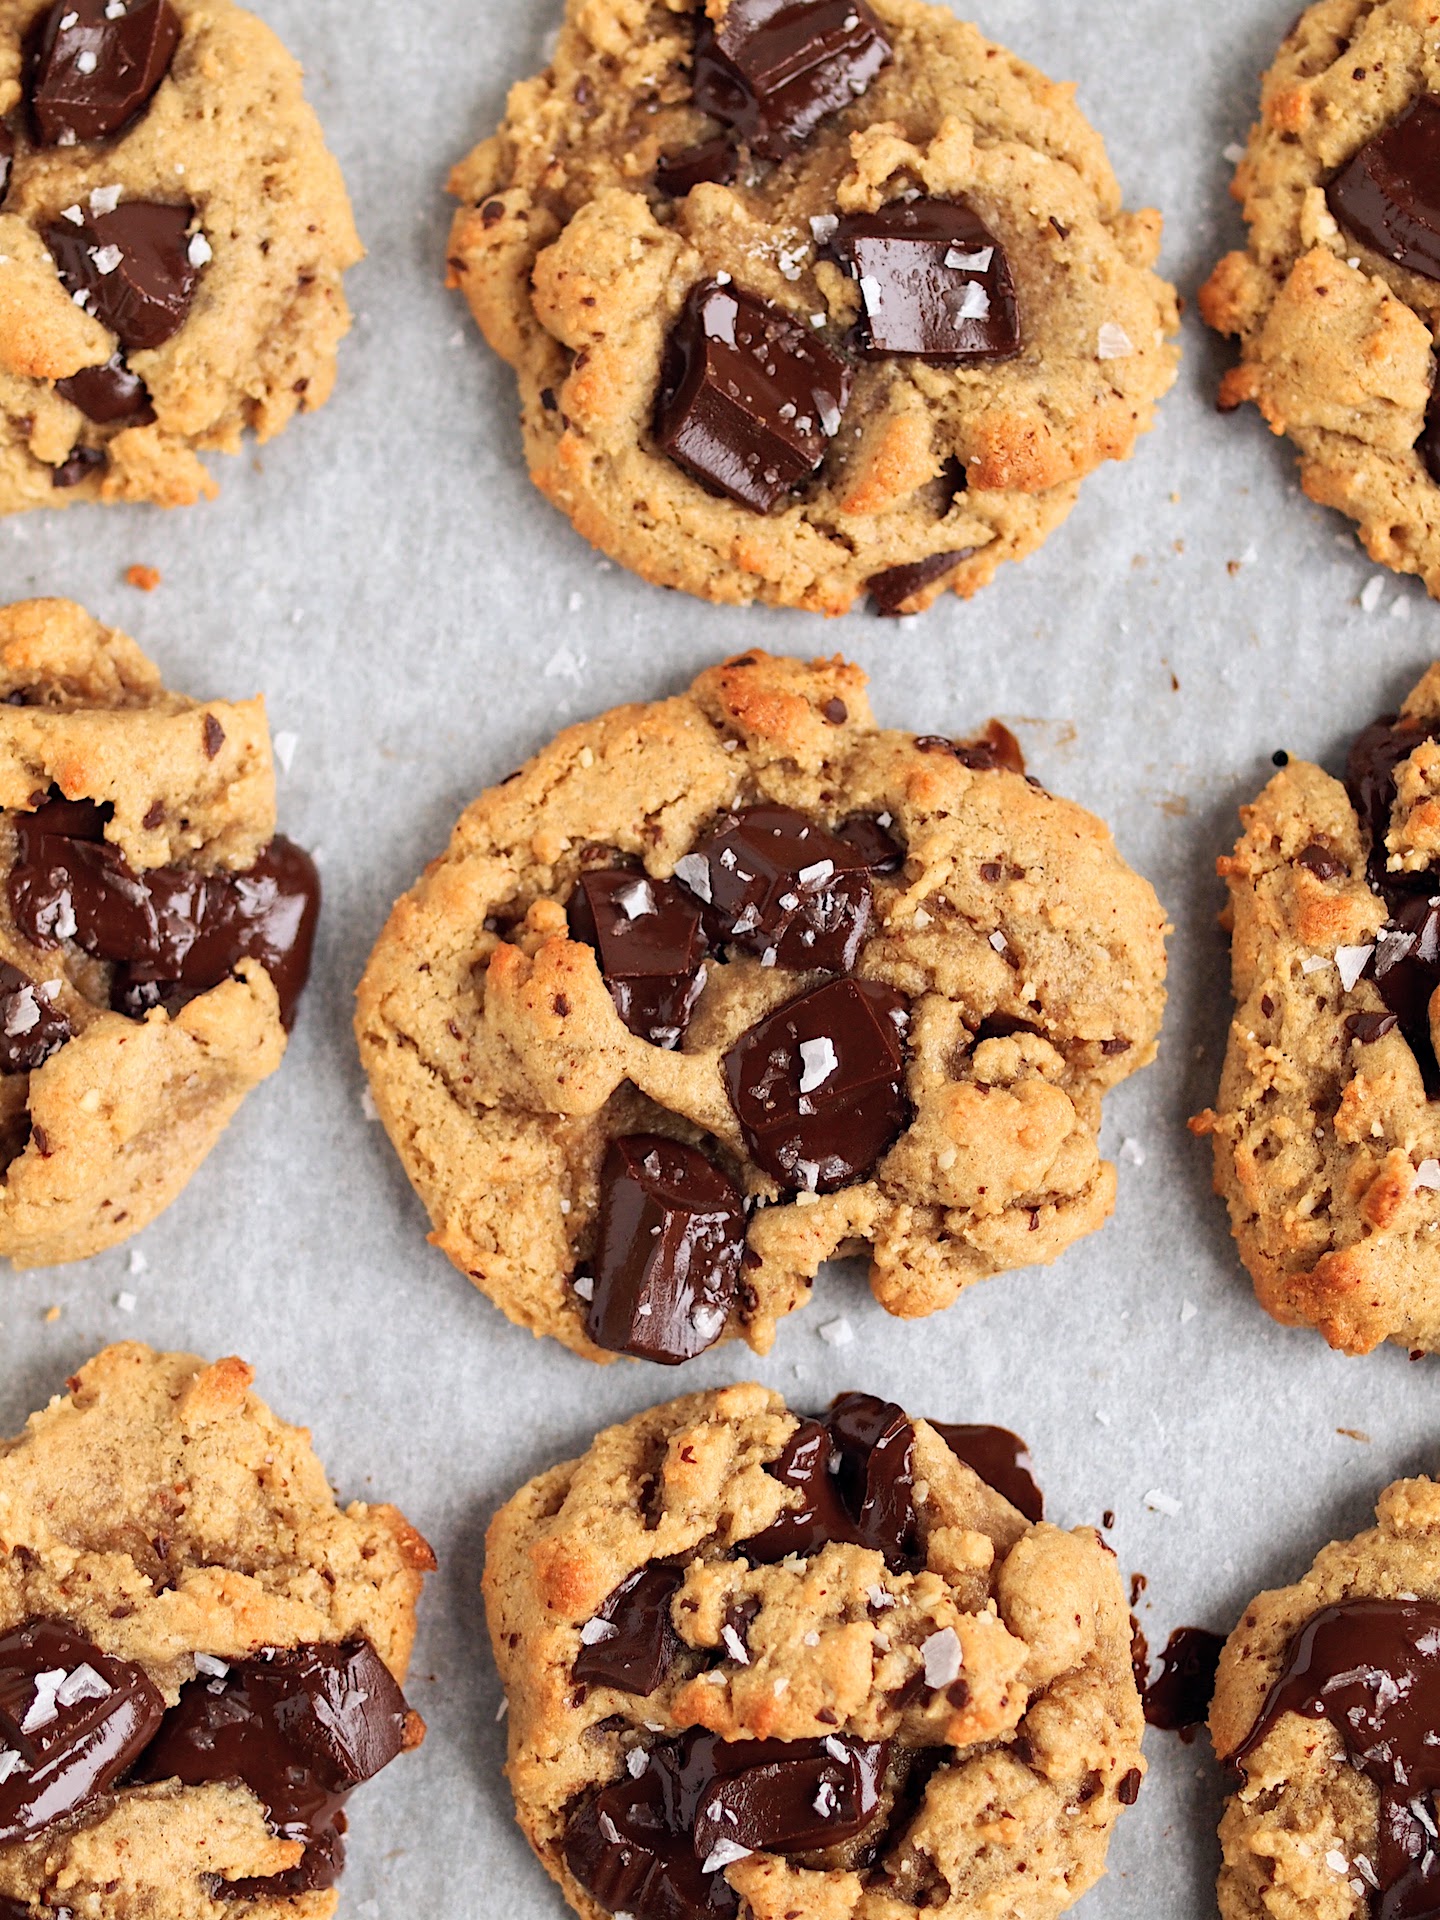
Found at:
[775, 1665]
[717, 988]
[1337, 296]
[809, 301]
[1327, 1125]
[173, 234]
[200, 1653]
[1325, 1712]
[155, 931]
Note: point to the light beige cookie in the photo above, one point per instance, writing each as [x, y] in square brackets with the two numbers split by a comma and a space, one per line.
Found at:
[944, 997]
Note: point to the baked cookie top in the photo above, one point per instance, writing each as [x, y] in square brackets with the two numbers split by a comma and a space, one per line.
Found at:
[809, 301]
[1325, 1708]
[1327, 1124]
[173, 234]
[764, 1664]
[155, 931]
[716, 988]
[1336, 298]
[200, 1652]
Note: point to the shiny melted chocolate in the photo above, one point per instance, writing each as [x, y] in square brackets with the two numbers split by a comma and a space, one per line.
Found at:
[94, 66]
[650, 943]
[935, 282]
[32, 1026]
[1387, 195]
[1177, 1698]
[1001, 1459]
[894, 587]
[631, 1643]
[131, 268]
[774, 69]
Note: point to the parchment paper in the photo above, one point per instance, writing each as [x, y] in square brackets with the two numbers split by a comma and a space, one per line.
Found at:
[420, 620]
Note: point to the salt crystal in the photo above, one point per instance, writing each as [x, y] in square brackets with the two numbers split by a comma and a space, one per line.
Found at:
[970, 262]
[636, 1762]
[837, 1333]
[1113, 342]
[106, 259]
[1427, 1174]
[564, 665]
[735, 1646]
[813, 875]
[208, 1664]
[870, 292]
[125, 1302]
[10, 1762]
[1352, 962]
[693, 869]
[86, 61]
[1159, 1502]
[585, 1285]
[285, 745]
[818, 1060]
[104, 199]
[367, 1104]
[943, 1657]
[595, 1631]
[23, 1012]
[83, 1684]
[1314, 963]
[1234, 153]
[722, 1854]
[1132, 1151]
[823, 225]
[1188, 1311]
[73, 215]
[42, 1710]
[1336, 1861]
[998, 941]
[974, 302]
[138, 1262]
[1371, 592]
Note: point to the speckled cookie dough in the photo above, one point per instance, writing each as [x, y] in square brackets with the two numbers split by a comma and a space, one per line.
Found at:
[155, 933]
[1336, 298]
[909, 441]
[892, 1031]
[173, 234]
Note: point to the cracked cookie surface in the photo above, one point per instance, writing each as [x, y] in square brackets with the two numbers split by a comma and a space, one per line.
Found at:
[1023, 959]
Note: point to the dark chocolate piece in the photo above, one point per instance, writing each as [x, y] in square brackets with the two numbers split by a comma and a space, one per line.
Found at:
[713, 160]
[749, 399]
[855, 1472]
[895, 585]
[299, 1726]
[811, 1795]
[72, 1720]
[1323, 862]
[95, 65]
[650, 942]
[635, 1652]
[1367, 1028]
[1177, 1699]
[171, 932]
[7, 154]
[1428, 445]
[819, 1085]
[935, 283]
[774, 69]
[110, 395]
[133, 266]
[776, 883]
[869, 834]
[32, 1027]
[78, 465]
[1387, 196]
[1001, 1459]
[667, 1250]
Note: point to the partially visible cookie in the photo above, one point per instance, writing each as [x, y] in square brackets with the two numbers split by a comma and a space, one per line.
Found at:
[717, 988]
[1327, 1124]
[173, 235]
[776, 1666]
[809, 303]
[1325, 1713]
[200, 1652]
[155, 932]
[1336, 298]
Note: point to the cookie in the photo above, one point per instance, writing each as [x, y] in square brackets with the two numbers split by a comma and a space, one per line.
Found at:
[809, 303]
[155, 931]
[201, 1654]
[1324, 1713]
[1327, 1130]
[173, 235]
[714, 989]
[1337, 296]
[764, 1664]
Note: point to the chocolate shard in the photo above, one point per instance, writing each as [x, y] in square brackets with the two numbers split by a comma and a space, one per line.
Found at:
[638, 1644]
[32, 1027]
[170, 932]
[72, 1721]
[935, 283]
[894, 586]
[1001, 1459]
[812, 1795]
[712, 160]
[1387, 195]
[95, 64]
[78, 465]
[776, 883]
[774, 69]
[650, 943]
[749, 400]
[667, 1250]
[110, 395]
[855, 1473]
[133, 267]
[819, 1085]
[7, 154]
[821, 1516]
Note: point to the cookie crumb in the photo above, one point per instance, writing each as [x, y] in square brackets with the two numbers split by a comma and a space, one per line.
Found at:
[147, 579]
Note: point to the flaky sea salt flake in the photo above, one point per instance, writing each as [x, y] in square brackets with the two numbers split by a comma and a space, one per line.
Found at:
[943, 1657]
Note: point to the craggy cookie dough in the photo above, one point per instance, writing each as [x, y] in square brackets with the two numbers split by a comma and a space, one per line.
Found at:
[173, 234]
[809, 305]
[1336, 299]
[155, 932]
[760, 1665]
[200, 1652]
[1326, 1710]
[714, 989]
[1327, 1125]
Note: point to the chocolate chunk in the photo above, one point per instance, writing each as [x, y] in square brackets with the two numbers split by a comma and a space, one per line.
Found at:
[1428, 445]
[892, 588]
[7, 154]
[1001, 1459]
[935, 283]
[804, 1463]
[132, 265]
[712, 160]
[75, 1718]
[636, 1653]
[873, 842]
[32, 1027]
[299, 1726]
[1370, 782]
[650, 942]
[1387, 196]
[1369, 1027]
[855, 1473]
[819, 1085]
[1177, 1700]
[78, 465]
[1128, 1791]
[996, 749]
[171, 932]
[776, 883]
[774, 69]
[749, 400]
[110, 395]
[667, 1250]
[1324, 864]
[814, 1794]
[95, 64]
